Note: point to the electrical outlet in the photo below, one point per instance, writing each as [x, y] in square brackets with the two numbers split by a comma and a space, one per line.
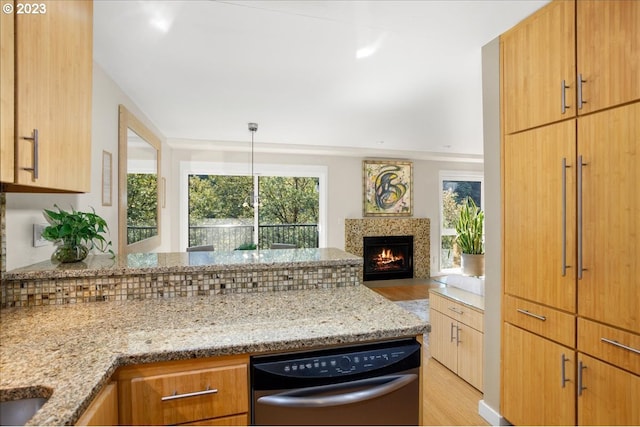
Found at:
[37, 235]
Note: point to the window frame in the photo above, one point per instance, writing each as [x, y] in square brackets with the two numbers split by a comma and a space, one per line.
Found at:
[263, 169]
[450, 175]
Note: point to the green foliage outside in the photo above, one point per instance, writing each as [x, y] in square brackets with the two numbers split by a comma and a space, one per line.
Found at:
[142, 199]
[288, 200]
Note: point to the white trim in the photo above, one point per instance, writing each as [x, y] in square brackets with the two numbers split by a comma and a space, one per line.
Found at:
[452, 175]
[219, 168]
[490, 415]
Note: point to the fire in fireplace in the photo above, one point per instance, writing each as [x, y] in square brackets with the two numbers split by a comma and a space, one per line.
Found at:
[388, 257]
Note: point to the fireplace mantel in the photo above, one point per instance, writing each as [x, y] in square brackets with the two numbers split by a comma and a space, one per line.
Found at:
[357, 228]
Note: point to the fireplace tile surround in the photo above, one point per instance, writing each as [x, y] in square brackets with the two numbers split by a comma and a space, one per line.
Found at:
[357, 228]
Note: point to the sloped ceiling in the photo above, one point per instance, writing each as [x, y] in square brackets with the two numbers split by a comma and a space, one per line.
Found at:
[335, 75]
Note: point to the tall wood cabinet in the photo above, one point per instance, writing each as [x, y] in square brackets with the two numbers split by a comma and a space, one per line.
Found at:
[46, 139]
[571, 215]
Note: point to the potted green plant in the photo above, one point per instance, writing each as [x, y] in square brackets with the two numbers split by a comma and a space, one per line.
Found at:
[469, 238]
[75, 233]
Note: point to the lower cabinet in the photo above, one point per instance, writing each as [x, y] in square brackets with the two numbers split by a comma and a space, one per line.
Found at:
[103, 411]
[538, 379]
[212, 391]
[456, 338]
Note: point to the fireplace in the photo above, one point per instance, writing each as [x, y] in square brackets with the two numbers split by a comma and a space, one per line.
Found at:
[388, 257]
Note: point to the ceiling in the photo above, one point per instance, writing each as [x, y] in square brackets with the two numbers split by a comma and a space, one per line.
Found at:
[320, 75]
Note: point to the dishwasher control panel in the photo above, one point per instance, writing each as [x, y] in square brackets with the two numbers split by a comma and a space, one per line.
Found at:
[333, 363]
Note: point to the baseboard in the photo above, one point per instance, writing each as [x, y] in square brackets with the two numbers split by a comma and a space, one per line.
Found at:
[490, 415]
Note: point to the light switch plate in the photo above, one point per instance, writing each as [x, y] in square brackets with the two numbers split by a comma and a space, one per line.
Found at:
[37, 235]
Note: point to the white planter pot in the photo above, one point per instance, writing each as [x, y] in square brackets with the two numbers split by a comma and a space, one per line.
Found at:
[472, 265]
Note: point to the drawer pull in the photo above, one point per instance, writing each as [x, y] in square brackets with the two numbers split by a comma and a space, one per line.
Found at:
[175, 394]
[455, 310]
[617, 344]
[528, 313]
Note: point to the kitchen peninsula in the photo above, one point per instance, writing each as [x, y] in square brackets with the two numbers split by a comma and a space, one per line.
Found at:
[69, 351]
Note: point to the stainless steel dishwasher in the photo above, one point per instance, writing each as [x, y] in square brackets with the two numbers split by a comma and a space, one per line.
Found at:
[372, 384]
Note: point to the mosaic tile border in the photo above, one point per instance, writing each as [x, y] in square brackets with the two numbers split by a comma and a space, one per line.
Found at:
[40, 292]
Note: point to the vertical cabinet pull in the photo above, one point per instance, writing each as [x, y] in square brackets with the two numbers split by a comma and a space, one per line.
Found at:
[580, 99]
[579, 216]
[564, 216]
[563, 96]
[457, 336]
[33, 138]
[581, 367]
[563, 361]
[452, 326]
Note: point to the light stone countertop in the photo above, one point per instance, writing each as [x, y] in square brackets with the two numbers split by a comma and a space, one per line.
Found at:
[467, 298]
[105, 265]
[71, 351]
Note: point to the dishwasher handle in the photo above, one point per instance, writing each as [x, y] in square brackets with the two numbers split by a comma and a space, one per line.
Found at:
[313, 397]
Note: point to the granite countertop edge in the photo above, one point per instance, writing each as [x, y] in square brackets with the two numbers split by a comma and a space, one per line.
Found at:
[71, 379]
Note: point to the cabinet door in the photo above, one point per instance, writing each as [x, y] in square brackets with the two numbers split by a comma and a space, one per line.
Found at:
[537, 56]
[535, 215]
[53, 95]
[608, 40]
[442, 340]
[533, 392]
[7, 140]
[609, 396]
[103, 411]
[470, 355]
[609, 143]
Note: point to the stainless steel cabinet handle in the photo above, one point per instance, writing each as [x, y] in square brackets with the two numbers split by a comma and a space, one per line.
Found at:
[456, 310]
[580, 100]
[458, 336]
[175, 395]
[33, 138]
[564, 216]
[581, 367]
[563, 96]
[528, 313]
[452, 326]
[564, 360]
[579, 217]
[317, 397]
[617, 344]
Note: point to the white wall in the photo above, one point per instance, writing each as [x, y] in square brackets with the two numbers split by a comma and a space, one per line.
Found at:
[344, 187]
[23, 210]
[493, 215]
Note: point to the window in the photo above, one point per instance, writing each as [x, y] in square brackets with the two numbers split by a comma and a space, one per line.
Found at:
[455, 187]
[220, 208]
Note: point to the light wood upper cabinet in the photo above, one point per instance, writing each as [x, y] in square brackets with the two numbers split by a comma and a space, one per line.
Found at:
[609, 143]
[53, 85]
[7, 139]
[533, 391]
[608, 41]
[609, 396]
[538, 220]
[537, 57]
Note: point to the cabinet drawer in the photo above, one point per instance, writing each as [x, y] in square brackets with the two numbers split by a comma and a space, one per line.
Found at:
[606, 343]
[457, 311]
[547, 322]
[183, 397]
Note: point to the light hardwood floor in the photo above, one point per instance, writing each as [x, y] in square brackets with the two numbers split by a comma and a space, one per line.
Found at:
[448, 400]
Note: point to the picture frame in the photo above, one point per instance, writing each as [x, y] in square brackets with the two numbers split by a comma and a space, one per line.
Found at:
[106, 178]
[387, 188]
